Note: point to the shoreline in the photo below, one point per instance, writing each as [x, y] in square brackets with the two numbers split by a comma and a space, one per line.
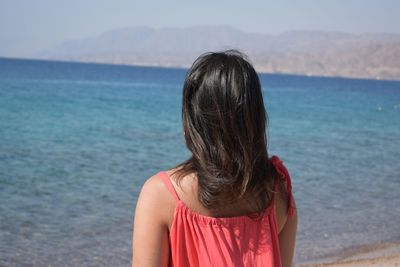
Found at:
[375, 255]
[185, 67]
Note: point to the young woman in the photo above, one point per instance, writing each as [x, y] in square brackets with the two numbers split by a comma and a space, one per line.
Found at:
[229, 204]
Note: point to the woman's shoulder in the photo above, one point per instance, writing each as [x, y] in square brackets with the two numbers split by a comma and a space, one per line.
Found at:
[284, 200]
[282, 172]
[153, 186]
[156, 197]
[280, 167]
[157, 183]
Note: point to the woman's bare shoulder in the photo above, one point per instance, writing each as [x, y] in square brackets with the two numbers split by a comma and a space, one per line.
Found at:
[153, 187]
[156, 197]
[150, 234]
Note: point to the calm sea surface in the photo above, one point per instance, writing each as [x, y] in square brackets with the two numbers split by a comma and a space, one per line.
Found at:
[77, 142]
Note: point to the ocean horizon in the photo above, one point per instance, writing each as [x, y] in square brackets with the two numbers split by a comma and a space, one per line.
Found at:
[78, 140]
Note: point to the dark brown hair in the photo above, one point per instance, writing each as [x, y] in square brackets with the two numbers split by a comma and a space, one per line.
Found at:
[224, 123]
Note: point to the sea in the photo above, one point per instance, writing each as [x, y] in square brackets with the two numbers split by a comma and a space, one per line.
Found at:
[77, 141]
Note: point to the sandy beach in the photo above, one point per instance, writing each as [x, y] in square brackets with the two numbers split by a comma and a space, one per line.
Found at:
[382, 255]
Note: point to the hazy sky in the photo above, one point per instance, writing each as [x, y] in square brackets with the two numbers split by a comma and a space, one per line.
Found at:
[27, 26]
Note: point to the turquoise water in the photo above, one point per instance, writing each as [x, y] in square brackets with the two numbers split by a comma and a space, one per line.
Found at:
[77, 142]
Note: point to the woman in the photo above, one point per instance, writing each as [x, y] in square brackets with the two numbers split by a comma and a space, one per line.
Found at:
[229, 204]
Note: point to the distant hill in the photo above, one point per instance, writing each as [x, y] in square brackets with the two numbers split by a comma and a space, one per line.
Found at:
[372, 55]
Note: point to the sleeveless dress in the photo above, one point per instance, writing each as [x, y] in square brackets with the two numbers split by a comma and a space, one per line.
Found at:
[199, 240]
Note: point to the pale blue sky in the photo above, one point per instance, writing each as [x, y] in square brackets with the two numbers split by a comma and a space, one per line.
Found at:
[30, 25]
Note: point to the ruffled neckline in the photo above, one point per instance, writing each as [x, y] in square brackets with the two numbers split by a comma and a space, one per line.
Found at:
[182, 208]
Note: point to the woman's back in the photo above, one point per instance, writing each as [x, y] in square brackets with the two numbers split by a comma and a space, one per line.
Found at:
[228, 237]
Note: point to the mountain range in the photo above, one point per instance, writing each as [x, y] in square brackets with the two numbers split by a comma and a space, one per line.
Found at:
[313, 53]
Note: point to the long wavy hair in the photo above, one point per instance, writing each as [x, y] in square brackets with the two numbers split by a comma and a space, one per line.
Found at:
[224, 123]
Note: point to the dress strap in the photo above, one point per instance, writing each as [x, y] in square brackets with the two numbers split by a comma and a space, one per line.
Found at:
[283, 172]
[165, 178]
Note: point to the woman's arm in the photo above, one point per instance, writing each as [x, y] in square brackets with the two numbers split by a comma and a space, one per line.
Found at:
[287, 235]
[150, 246]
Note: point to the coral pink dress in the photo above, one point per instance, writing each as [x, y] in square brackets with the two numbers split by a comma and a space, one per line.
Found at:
[198, 240]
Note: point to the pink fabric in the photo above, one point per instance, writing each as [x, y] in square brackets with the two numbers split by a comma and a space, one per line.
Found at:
[198, 240]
